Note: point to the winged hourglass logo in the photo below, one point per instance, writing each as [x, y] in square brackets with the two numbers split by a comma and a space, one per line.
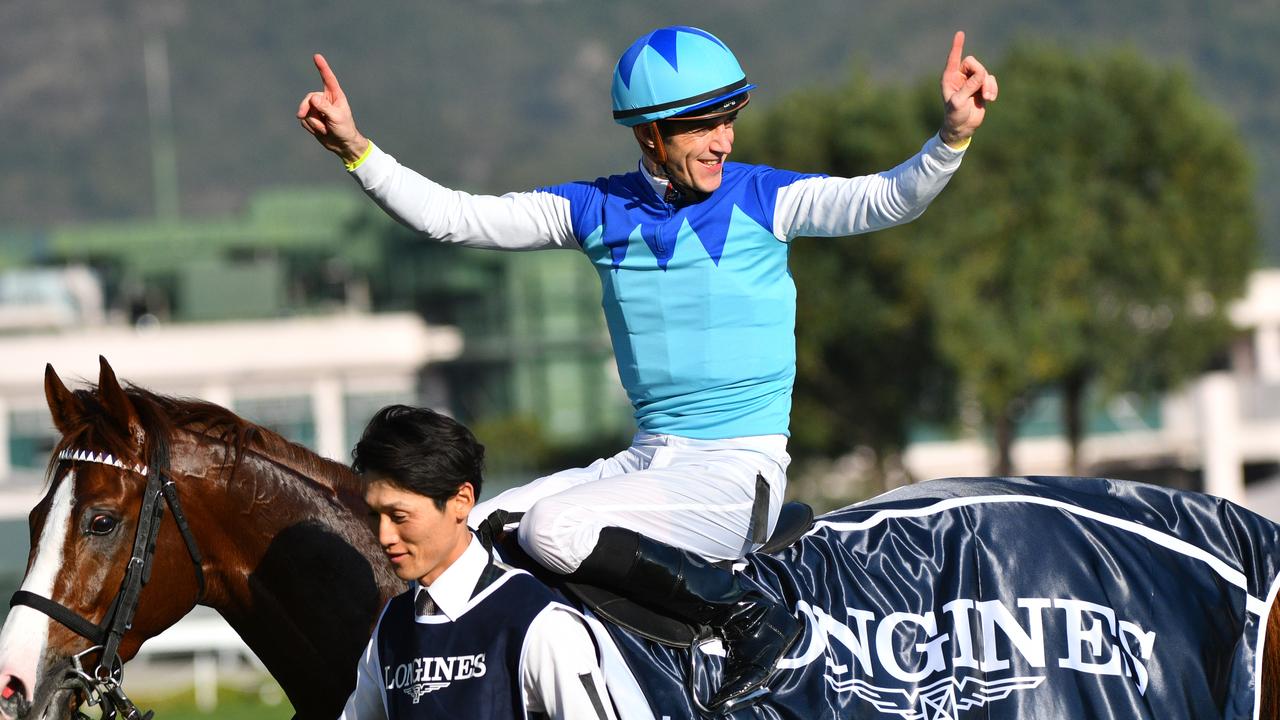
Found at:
[942, 700]
[418, 690]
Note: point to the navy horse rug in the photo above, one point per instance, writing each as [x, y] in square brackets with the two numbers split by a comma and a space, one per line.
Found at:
[999, 598]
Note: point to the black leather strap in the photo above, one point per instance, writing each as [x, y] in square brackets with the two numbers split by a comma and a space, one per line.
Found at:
[760, 512]
[171, 496]
[491, 528]
[138, 572]
[73, 622]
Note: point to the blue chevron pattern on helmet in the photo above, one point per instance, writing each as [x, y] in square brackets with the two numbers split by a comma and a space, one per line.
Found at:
[672, 70]
[663, 41]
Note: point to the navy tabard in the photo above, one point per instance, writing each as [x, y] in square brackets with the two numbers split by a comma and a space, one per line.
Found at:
[467, 669]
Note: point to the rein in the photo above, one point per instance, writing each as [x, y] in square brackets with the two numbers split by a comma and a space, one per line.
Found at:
[105, 683]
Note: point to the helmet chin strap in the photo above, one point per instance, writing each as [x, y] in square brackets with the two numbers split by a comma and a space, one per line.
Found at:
[652, 143]
[655, 150]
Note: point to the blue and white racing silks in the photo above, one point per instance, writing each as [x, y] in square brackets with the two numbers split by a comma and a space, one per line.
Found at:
[987, 598]
[698, 298]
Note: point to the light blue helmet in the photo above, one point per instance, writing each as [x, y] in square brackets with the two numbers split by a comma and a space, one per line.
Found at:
[673, 71]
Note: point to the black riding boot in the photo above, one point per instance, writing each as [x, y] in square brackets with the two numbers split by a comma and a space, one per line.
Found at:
[756, 630]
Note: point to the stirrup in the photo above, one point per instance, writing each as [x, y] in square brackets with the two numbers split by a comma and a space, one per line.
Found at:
[744, 701]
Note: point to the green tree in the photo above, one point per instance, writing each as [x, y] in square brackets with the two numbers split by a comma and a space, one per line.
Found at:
[1101, 224]
[1095, 235]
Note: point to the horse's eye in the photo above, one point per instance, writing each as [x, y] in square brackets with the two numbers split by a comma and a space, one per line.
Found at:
[102, 524]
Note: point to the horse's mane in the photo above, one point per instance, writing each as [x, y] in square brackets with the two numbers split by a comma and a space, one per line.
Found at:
[163, 415]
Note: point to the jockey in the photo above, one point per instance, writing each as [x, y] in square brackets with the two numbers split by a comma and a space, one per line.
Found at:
[691, 251]
[471, 637]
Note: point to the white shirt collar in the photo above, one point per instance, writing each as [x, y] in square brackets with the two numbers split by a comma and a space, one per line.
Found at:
[452, 590]
[658, 184]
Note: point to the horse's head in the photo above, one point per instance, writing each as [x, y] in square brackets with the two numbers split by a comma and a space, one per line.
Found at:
[83, 535]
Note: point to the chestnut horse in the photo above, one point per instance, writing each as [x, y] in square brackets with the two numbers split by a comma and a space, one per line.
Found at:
[285, 555]
[265, 532]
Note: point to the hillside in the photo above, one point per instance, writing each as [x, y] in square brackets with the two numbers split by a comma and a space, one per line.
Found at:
[498, 94]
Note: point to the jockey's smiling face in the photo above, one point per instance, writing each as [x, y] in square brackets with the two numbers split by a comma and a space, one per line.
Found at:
[697, 150]
[420, 539]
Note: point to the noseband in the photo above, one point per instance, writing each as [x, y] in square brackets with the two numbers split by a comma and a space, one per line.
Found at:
[105, 683]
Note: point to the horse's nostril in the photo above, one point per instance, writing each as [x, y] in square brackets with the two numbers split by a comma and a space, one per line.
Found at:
[13, 698]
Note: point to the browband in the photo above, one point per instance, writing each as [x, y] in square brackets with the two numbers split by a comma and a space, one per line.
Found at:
[101, 459]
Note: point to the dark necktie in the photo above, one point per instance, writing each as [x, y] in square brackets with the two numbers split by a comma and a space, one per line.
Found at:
[423, 604]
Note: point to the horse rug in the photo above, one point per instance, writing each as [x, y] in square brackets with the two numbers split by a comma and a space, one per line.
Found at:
[1000, 598]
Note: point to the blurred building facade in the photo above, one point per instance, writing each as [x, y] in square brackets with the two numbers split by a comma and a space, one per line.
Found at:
[306, 315]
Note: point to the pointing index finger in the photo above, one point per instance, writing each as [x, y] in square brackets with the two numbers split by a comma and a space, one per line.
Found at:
[331, 86]
[957, 52]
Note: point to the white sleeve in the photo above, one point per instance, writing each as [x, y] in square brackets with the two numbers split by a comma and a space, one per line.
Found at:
[834, 207]
[559, 670]
[366, 701]
[515, 221]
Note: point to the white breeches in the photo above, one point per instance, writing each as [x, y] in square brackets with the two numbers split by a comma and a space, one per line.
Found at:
[699, 495]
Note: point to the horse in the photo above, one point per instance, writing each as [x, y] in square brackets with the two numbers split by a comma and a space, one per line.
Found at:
[275, 539]
[282, 548]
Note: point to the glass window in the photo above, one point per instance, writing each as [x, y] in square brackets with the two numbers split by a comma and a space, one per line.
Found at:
[13, 558]
[568, 404]
[289, 416]
[360, 408]
[31, 439]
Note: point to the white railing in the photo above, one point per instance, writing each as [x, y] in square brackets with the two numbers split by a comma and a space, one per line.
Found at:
[200, 649]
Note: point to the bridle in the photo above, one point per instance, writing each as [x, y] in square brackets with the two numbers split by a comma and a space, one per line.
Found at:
[105, 683]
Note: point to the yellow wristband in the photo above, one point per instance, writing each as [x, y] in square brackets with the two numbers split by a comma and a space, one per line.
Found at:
[360, 160]
[963, 144]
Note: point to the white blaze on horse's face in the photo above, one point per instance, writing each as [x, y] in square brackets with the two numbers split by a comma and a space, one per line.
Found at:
[26, 631]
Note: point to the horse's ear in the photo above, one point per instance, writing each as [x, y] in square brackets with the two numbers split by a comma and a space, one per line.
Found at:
[64, 407]
[116, 402]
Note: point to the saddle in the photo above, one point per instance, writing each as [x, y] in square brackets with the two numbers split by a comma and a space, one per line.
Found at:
[794, 521]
